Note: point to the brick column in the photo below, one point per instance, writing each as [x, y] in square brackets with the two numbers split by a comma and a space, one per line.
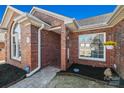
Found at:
[26, 45]
[63, 48]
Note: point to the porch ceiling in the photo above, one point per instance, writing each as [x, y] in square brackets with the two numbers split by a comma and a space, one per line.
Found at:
[56, 29]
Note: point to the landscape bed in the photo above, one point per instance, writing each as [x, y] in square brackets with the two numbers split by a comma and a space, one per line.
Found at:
[10, 74]
[95, 73]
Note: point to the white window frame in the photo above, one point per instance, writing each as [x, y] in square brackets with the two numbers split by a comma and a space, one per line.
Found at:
[94, 59]
[12, 53]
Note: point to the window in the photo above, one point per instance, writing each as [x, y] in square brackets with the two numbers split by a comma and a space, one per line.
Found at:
[15, 43]
[91, 46]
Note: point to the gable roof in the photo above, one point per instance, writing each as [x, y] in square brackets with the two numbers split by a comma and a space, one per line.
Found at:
[102, 21]
[32, 19]
[8, 14]
[61, 17]
[21, 17]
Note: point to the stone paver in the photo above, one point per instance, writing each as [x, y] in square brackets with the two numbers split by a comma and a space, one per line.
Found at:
[38, 80]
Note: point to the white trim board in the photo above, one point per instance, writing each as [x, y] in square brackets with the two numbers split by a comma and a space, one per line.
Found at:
[31, 20]
[12, 57]
[61, 17]
[5, 13]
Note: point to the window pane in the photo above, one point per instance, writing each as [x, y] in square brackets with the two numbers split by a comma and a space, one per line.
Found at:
[91, 45]
[14, 50]
[13, 39]
[16, 41]
[19, 51]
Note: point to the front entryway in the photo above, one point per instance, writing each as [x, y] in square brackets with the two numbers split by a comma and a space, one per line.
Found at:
[39, 79]
[50, 49]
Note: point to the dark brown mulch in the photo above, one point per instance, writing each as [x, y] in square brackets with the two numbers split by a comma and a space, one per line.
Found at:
[10, 74]
[90, 71]
[96, 73]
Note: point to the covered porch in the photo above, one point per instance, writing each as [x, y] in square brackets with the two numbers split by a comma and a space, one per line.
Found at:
[54, 47]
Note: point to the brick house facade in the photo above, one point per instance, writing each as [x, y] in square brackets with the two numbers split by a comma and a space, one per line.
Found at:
[2, 52]
[48, 38]
[2, 46]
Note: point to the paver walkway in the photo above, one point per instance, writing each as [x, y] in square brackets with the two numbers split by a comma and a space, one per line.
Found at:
[38, 80]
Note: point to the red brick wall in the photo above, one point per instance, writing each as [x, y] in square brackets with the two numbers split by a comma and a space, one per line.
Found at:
[28, 49]
[25, 48]
[2, 44]
[111, 55]
[64, 60]
[2, 51]
[2, 54]
[34, 47]
[8, 46]
[54, 21]
[74, 48]
[50, 45]
[119, 49]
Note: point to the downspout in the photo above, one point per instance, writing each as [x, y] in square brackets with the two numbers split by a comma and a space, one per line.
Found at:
[39, 53]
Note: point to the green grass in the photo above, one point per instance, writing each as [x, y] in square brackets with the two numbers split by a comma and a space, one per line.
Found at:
[73, 81]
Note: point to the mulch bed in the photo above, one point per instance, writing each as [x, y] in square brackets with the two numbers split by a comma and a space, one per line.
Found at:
[10, 74]
[90, 71]
[96, 73]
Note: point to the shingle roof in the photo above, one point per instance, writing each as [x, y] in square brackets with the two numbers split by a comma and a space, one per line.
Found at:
[59, 16]
[101, 19]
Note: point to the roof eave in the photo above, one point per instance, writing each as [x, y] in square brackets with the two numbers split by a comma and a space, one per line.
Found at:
[12, 9]
[115, 13]
[110, 23]
[66, 20]
[92, 27]
[31, 19]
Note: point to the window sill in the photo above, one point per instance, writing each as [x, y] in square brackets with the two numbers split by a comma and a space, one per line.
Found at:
[17, 59]
[92, 59]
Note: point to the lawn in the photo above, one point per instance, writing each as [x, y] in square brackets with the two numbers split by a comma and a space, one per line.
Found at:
[10, 74]
[73, 81]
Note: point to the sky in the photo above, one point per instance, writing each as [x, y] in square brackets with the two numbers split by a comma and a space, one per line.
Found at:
[74, 11]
